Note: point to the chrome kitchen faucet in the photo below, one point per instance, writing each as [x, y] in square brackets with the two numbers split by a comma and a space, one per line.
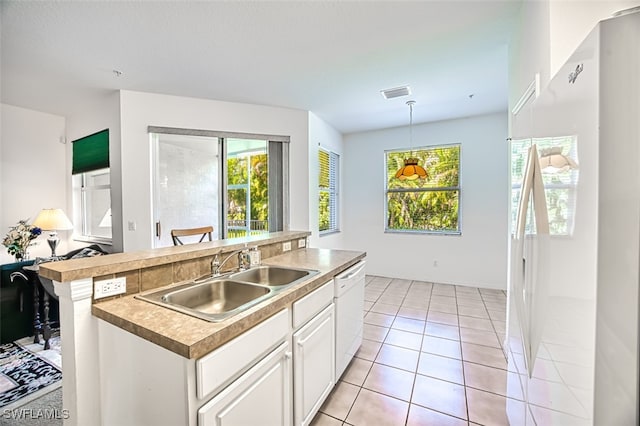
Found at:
[244, 261]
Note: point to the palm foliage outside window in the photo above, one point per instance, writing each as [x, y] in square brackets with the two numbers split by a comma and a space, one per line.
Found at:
[429, 205]
[328, 191]
[247, 193]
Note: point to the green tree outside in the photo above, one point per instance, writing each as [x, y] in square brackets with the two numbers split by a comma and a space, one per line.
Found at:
[324, 196]
[430, 204]
[248, 173]
[323, 207]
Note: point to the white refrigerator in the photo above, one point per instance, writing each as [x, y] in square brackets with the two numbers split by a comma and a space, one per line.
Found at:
[572, 338]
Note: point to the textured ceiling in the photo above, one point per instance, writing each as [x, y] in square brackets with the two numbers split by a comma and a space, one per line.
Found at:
[331, 58]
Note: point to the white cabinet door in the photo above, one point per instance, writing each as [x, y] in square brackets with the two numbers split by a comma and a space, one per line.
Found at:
[314, 365]
[261, 396]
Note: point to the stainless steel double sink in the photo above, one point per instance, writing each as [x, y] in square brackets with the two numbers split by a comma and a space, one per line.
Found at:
[218, 298]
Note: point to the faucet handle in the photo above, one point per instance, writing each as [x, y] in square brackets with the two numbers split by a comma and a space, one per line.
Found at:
[254, 256]
[215, 264]
[244, 259]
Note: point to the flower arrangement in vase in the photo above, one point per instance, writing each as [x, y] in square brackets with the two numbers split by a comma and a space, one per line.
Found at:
[19, 238]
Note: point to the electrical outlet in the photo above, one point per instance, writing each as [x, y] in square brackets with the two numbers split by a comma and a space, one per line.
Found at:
[286, 246]
[302, 242]
[110, 287]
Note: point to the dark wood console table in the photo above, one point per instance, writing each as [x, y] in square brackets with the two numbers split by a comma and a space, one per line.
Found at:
[41, 296]
[16, 303]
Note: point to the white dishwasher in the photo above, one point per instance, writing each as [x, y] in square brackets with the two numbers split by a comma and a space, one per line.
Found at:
[349, 301]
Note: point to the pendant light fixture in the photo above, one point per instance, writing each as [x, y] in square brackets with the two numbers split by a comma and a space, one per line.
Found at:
[552, 160]
[411, 169]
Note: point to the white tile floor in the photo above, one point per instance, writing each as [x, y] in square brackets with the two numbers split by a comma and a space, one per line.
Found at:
[431, 355]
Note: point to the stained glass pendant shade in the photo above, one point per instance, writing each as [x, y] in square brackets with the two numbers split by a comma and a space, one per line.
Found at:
[411, 169]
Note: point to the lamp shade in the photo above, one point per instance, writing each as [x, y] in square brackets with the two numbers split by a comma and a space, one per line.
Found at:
[553, 161]
[52, 220]
[411, 170]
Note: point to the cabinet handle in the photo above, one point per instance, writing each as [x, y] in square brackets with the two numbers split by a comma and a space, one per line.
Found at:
[352, 273]
[287, 355]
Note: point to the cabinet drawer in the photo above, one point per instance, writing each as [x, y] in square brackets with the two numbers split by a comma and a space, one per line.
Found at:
[261, 396]
[217, 368]
[305, 308]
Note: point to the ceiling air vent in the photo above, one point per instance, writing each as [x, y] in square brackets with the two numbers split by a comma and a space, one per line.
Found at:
[396, 92]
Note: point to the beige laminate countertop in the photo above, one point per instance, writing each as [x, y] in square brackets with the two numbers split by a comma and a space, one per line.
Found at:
[74, 269]
[191, 337]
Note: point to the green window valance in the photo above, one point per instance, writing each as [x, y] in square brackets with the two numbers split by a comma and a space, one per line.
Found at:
[91, 152]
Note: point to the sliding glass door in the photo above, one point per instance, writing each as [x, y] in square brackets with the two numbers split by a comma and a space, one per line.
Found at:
[186, 185]
[238, 185]
[247, 171]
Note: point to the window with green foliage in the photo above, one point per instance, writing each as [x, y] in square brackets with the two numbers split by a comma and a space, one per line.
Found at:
[328, 191]
[247, 188]
[236, 182]
[429, 205]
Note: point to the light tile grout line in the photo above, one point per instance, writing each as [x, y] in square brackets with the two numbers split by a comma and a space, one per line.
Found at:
[462, 360]
[344, 421]
[415, 373]
[500, 342]
[464, 376]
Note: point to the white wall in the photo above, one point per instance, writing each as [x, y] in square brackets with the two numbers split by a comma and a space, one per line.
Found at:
[529, 49]
[140, 110]
[323, 135]
[477, 257]
[32, 171]
[102, 113]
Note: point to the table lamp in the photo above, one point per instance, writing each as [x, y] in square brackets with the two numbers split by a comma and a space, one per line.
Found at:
[52, 220]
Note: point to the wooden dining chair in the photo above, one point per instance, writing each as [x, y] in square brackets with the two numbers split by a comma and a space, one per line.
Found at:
[203, 232]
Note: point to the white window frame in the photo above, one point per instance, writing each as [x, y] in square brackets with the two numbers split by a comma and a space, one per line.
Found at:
[332, 190]
[81, 209]
[278, 159]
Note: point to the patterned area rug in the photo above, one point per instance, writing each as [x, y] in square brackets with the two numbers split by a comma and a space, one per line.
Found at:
[27, 371]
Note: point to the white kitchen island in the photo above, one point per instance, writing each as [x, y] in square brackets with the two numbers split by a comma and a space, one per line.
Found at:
[133, 362]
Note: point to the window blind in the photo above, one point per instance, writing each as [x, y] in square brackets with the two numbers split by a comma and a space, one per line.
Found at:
[91, 152]
[328, 190]
[429, 205]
